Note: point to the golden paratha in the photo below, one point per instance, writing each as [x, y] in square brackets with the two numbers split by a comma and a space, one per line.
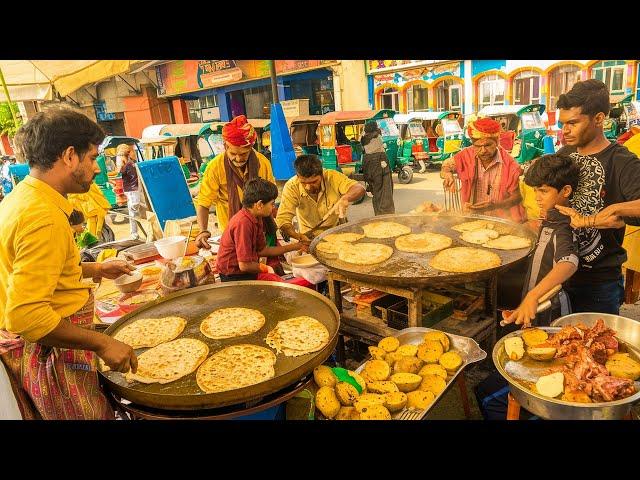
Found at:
[464, 260]
[169, 361]
[385, 229]
[149, 332]
[364, 253]
[235, 367]
[330, 248]
[474, 225]
[232, 322]
[422, 242]
[508, 242]
[343, 237]
[298, 336]
[480, 236]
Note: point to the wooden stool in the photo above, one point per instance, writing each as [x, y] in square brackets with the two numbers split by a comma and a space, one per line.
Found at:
[513, 409]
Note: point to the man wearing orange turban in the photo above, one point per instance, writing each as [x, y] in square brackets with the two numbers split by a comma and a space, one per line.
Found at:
[488, 174]
[225, 176]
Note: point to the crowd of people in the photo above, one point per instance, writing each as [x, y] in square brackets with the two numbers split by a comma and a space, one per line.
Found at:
[586, 193]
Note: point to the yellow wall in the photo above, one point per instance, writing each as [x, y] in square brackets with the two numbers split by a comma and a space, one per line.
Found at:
[353, 83]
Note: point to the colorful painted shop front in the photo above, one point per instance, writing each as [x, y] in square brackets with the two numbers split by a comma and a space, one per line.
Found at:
[416, 85]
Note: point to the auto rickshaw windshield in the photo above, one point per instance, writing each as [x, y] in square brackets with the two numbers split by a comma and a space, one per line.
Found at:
[451, 127]
[388, 127]
[531, 120]
[416, 129]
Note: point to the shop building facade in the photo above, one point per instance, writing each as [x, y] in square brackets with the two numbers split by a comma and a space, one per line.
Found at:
[218, 90]
[469, 85]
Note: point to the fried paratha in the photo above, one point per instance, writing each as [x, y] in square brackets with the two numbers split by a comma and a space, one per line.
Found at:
[298, 336]
[364, 253]
[343, 237]
[422, 242]
[232, 322]
[330, 248]
[385, 229]
[235, 367]
[508, 242]
[464, 260]
[169, 361]
[474, 225]
[480, 236]
[149, 332]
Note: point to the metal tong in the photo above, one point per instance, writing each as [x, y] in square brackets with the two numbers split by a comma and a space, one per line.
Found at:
[452, 197]
[544, 302]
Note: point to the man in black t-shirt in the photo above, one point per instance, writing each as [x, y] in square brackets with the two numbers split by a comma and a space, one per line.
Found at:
[609, 175]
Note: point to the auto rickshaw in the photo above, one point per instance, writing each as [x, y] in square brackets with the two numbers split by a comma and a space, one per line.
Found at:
[523, 132]
[616, 122]
[262, 128]
[340, 146]
[430, 136]
[304, 134]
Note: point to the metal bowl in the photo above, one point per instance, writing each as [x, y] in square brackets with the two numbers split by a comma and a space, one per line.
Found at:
[628, 331]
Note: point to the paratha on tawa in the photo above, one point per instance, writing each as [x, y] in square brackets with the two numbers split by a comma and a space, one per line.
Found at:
[464, 260]
[235, 367]
[480, 236]
[385, 229]
[422, 242]
[364, 253]
[508, 242]
[298, 336]
[475, 225]
[330, 248]
[149, 332]
[232, 322]
[343, 237]
[169, 361]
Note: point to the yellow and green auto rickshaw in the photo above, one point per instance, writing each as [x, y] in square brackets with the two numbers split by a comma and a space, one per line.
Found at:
[616, 122]
[430, 136]
[340, 146]
[523, 132]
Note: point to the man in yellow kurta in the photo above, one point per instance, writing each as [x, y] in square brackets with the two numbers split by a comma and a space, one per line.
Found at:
[313, 193]
[46, 311]
[226, 174]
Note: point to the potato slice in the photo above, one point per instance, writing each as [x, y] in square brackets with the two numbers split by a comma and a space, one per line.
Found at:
[542, 353]
[385, 386]
[621, 365]
[406, 382]
[389, 344]
[430, 351]
[408, 350]
[433, 369]
[346, 393]
[433, 384]
[551, 385]
[393, 357]
[348, 413]
[377, 353]
[451, 361]
[375, 412]
[438, 337]
[395, 401]
[324, 376]
[361, 381]
[367, 400]
[420, 399]
[408, 365]
[534, 336]
[327, 402]
[377, 369]
[514, 347]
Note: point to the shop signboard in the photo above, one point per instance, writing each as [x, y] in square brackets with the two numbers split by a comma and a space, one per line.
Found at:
[210, 114]
[295, 108]
[183, 76]
[425, 73]
[375, 66]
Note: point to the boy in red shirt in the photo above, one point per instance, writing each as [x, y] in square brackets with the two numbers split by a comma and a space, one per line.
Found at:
[243, 241]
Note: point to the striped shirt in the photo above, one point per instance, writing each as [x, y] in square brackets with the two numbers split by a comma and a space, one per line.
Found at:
[487, 185]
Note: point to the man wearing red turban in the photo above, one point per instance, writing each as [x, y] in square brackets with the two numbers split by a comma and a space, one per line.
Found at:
[225, 176]
[489, 175]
